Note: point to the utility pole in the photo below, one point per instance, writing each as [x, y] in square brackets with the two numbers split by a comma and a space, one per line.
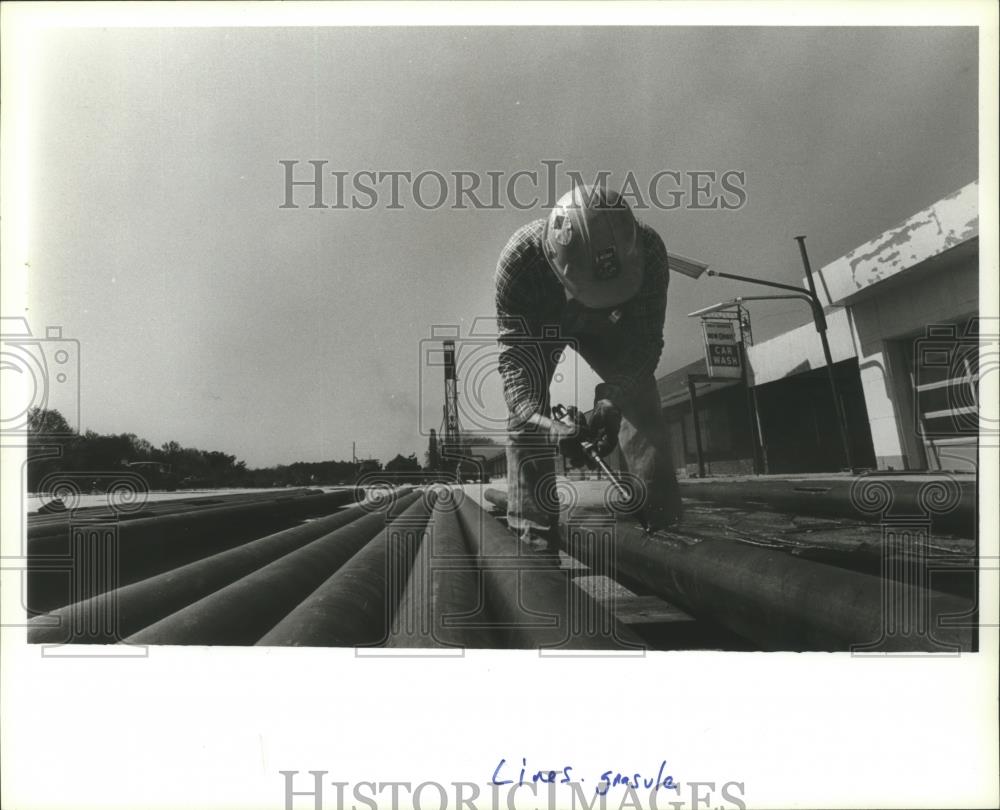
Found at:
[743, 321]
[821, 328]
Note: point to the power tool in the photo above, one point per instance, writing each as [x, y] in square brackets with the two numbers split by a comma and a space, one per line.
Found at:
[588, 444]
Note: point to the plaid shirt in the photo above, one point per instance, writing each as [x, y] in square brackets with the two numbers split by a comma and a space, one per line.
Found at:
[531, 303]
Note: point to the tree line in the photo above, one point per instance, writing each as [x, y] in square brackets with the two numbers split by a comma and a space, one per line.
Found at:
[53, 447]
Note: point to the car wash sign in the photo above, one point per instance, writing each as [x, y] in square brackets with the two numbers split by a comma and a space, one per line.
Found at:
[722, 355]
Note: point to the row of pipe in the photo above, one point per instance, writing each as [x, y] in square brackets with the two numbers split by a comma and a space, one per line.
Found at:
[777, 601]
[435, 570]
[422, 569]
[75, 560]
[245, 610]
[354, 605]
[113, 615]
[471, 587]
[444, 603]
[535, 605]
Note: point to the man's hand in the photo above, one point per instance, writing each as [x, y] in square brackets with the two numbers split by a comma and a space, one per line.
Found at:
[605, 421]
[569, 445]
[566, 437]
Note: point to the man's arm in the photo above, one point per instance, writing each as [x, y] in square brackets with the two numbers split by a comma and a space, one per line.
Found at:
[517, 322]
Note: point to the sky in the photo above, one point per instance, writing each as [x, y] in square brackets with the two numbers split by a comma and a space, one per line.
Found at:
[209, 315]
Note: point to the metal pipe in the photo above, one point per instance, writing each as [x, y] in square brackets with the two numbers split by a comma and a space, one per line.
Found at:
[245, 610]
[148, 546]
[40, 523]
[535, 605]
[724, 305]
[821, 328]
[762, 282]
[55, 526]
[443, 604]
[784, 603]
[776, 600]
[353, 608]
[761, 441]
[114, 615]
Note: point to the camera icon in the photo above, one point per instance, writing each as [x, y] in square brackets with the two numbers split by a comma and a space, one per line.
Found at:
[38, 373]
[461, 388]
[948, 367]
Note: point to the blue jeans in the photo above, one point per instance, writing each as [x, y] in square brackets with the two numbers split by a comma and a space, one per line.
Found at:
[644, 439]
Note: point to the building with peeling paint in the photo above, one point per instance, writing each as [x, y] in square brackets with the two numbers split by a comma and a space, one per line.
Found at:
[912, 297]
[905, 336]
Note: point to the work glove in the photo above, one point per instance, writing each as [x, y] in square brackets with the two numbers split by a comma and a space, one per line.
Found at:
[604, 423]
[565, 436]
[569, 440]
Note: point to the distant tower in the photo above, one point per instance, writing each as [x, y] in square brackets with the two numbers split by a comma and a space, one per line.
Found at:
[452, 431]
[450, 396]
[433, 456]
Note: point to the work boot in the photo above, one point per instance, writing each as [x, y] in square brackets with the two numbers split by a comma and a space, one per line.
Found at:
[663, 521]
[668, 515]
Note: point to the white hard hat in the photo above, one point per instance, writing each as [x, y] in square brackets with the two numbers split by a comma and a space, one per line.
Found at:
[591, 242]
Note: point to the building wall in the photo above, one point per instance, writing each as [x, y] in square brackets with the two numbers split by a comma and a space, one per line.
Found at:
[725, 428]
[801, 349]
[881, 297]
[799, 421]
[948, 223]
[797, 416]
[885, 328]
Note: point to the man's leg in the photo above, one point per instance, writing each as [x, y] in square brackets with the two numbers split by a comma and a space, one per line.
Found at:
[645, 444]
[644, 440]
[532, 504]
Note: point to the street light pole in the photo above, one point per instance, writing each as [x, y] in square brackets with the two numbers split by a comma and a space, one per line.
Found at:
[818, 307]
[756, 442]
[819, 321]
